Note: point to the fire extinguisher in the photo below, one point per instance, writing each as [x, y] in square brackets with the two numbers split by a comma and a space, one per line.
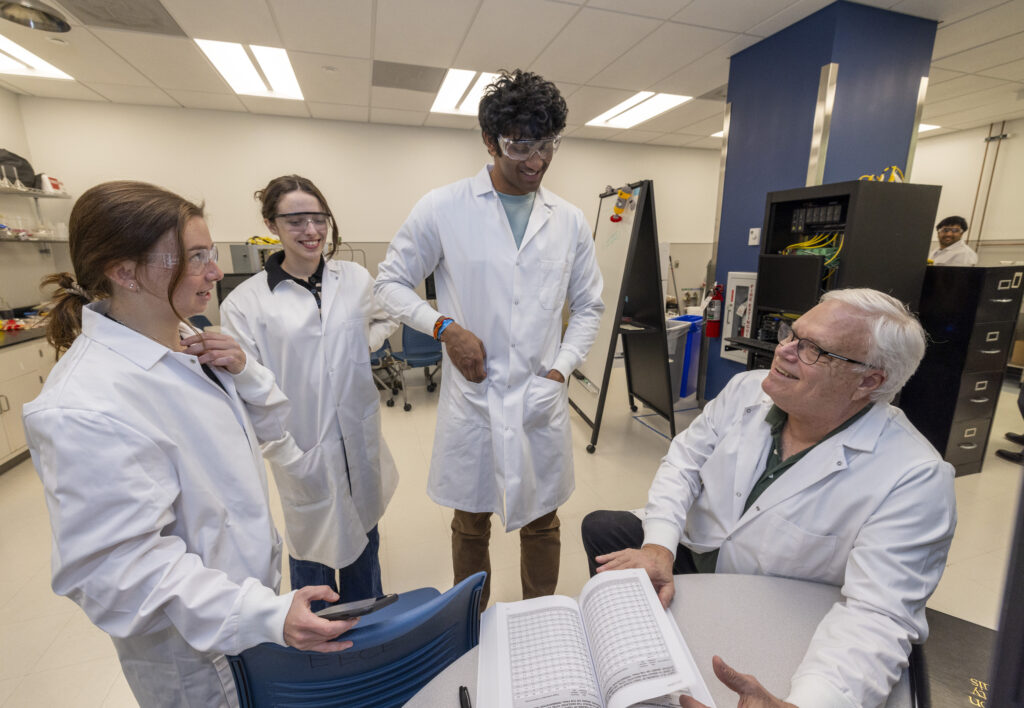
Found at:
[713, 329]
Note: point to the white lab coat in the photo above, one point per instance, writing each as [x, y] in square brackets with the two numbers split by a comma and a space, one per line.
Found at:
[338, 491]
[158, 504]
[871, 509]
[502, 445]
[959, 254]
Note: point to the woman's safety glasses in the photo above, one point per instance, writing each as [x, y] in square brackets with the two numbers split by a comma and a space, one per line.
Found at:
[297, 222]
[196, 262]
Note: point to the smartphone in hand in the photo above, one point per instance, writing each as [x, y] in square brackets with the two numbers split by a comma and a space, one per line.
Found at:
[357, 608]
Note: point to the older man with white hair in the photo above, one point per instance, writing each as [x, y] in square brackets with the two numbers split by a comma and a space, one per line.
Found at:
[806, 471]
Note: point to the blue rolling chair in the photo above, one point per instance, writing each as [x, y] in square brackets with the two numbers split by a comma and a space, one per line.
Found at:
[387, 373]
[396, 652]
[419, 349]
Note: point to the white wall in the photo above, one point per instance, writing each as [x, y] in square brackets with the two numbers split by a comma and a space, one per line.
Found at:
[955, 162]
[371, 174]
[12, 129]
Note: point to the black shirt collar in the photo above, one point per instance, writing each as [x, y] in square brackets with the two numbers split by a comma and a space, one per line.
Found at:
[277, 275]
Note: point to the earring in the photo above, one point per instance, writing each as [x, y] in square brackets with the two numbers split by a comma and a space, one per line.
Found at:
[131, 286]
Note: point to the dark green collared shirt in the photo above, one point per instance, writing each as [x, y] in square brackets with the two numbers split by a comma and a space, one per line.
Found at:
[773, 469]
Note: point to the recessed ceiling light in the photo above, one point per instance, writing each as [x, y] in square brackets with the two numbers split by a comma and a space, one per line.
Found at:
[453, 97]
[234, 64]
[638, 108]
[15, 59]
[925, 127]
[34, 14]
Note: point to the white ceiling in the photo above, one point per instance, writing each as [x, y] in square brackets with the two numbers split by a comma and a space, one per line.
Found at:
[599, 52]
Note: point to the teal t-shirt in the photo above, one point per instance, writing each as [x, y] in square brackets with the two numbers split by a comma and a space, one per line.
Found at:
[518, 208]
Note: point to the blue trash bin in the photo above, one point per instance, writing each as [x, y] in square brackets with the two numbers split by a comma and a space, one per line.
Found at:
[688, 381]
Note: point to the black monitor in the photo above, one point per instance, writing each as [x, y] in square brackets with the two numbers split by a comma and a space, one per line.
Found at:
[788, 283]
[229, 282]
[1007, 687]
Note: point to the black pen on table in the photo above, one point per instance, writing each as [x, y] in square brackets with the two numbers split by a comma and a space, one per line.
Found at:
[464, 701]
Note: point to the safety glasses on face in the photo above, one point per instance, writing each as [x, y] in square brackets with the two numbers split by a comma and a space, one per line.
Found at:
[951, 230]
[297, 222]
[809, 352]
[524, 149]
[196, 262]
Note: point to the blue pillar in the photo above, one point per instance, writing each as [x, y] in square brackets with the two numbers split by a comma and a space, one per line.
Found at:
[881, 57]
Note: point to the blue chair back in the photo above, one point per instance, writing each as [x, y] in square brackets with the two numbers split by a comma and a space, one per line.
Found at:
[379, 354]
[390, 661]
[419, 349]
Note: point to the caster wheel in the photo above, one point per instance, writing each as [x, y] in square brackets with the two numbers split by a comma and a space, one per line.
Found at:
[633, 408]
[407, 407]
[431, 387]
[590, 449]
[391, 404]
[394, 392]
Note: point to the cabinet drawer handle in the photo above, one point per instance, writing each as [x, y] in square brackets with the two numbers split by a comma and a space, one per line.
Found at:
[1001, 300]
[5, 405]
[967, 446]
[979, 400]
[991, 351]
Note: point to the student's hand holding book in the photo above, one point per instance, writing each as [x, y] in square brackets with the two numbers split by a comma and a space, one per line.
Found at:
[655, 559]
[752, 693]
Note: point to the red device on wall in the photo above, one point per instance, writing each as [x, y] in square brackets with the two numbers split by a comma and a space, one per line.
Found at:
[713, 314]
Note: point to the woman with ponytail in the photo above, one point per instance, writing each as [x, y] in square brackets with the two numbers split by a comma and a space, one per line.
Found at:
[146, 437]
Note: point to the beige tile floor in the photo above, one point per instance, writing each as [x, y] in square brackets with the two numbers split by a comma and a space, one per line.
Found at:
[50, 655]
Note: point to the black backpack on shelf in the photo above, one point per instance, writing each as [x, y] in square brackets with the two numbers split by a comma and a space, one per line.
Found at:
[16, 164]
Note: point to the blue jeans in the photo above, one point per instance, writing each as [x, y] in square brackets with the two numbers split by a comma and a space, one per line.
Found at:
[356, 581]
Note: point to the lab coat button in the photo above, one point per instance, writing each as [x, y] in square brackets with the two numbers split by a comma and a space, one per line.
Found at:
[728, 538]
[193, 361]
[739, 494]
[516, 301]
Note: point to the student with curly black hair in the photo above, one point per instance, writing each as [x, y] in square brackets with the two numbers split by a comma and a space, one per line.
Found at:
[506, 256]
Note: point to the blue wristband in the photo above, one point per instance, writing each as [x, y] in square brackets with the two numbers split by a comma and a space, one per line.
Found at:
[443, 327]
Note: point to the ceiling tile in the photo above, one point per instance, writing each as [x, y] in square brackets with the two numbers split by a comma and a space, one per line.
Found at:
[986, 56]
[138, 95]
[417, 33]
[734, 16]
[203, 100]
[947, 11]
[983, 115]
[593, 132]
[659, 9]
[633, 135]
[275, 106]
[707, 73]
[82, 55]
[788, 16]
[245, 21]
[347, 80]
[168, 62]
[673, 140]
[510, 35]
[325, 26]
[336, 111]
[987, 26]
[395, 116]
[590, 42]
[1012, 71]
[53, 88]
[687, 114]
[704, 127]
[589, 102]
[937, 76]
[660, 54]
[447, 120]
[381, 97]
[962, 86]
[706, 143]
[1005, 93]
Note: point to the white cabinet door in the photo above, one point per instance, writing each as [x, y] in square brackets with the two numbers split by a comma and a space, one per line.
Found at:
[18, 392]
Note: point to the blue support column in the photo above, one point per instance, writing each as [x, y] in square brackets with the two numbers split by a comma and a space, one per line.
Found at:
[881, 57]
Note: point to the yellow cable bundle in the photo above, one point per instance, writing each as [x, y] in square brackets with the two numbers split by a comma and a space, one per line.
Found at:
[895, 175]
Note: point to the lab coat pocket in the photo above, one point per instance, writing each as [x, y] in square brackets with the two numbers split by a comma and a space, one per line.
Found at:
[788, 550]
[554, 281]
[543, 405]
[305, 480]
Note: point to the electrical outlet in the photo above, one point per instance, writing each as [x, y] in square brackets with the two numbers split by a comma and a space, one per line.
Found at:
[754, 239]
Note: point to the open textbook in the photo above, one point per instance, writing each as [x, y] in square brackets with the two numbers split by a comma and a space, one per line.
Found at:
[615, 647]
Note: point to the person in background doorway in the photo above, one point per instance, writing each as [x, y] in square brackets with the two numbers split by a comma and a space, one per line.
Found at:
[145, 438]
[806, 471]
[952, 251]
[313, 321]
[506, 255]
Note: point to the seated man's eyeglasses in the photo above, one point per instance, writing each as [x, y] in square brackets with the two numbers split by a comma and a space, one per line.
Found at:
[524, 149]
[809, 352]
[951, 230]
[196, 262]
[299, 220]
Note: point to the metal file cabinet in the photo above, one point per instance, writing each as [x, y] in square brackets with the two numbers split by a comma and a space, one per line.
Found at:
[969, 314]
